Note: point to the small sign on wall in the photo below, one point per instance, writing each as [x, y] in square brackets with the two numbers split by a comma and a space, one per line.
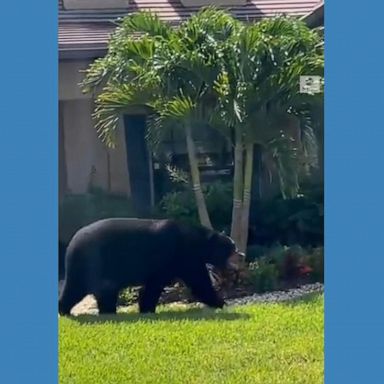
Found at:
[310, 84]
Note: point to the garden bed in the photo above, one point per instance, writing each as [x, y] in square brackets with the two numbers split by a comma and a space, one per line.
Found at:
[176, 295]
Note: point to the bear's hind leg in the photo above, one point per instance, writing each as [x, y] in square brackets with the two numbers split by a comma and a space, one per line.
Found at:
[149, 296]
[107, 299]
[69, 297]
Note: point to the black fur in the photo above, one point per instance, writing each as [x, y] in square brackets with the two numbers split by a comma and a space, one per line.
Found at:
[112, 254]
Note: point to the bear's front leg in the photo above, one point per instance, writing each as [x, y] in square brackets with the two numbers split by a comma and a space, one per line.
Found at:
[150, 294]
[199, 282]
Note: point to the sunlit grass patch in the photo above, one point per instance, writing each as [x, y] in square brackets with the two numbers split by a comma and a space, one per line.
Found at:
[264, 343]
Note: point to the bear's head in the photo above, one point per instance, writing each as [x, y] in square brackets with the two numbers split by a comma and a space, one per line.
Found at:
[223, 253]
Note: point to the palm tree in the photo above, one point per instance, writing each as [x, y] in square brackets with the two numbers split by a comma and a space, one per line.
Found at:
[259, 94]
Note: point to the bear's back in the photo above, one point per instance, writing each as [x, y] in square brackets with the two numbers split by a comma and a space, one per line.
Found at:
[125, 249]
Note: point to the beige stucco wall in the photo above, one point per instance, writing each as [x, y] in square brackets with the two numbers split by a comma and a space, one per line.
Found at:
[87, 160]
[70, 75]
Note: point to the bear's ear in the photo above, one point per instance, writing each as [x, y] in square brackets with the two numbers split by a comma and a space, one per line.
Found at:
[231, 240]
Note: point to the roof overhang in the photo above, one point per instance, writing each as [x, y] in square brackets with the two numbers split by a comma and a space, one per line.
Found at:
[315, 18]
[85, 34]
[82, 53]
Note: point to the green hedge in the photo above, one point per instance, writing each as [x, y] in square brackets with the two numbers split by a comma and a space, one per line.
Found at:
[274, 267]
[75, 211]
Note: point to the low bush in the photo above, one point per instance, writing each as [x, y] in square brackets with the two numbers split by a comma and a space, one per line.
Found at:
[288, 261]
[291, 221]
[128, 296]
[316, 263]
[263, 276]
[78, 210]
[181, 205]
[281, 266]
[254, 252]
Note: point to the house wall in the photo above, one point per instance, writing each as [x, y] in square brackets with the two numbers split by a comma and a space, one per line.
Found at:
[70, 75]
[84, 159]
[62, 160]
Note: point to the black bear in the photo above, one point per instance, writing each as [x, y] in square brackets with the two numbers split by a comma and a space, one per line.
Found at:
[111, 254]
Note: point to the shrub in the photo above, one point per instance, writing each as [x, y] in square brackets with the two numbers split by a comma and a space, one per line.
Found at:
[263, 276]
[128, 296]
[278, 266]
[75, 211]
[254, 252]
[219, 198]
[316, 262]
[181, 205]
[287, 260]
[291, 221]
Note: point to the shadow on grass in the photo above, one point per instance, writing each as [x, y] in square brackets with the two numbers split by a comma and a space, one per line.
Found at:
[193, 314]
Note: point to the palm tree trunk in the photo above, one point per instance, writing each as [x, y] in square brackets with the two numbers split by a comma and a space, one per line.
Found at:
[196, 184]
[237, 190]
[246, 197]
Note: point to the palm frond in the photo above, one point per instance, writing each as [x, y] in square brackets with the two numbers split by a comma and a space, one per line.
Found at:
[144, 23]
[309, 142]
[167, 115]
[113, 102]
[284, 151]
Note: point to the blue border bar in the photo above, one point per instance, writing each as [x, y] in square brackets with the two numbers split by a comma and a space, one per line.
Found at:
[28, 192]
[354, 192]
[354, 212]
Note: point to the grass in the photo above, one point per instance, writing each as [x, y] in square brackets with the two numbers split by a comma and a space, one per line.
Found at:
[265, 343]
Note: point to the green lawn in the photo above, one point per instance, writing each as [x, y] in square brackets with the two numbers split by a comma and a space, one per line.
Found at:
[269, 343]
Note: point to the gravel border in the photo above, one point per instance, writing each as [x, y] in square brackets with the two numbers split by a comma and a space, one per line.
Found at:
[88, 304]
[278, 296]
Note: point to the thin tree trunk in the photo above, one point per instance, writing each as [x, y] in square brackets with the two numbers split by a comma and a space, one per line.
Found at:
[246, 197]
[237, 190]
[199, 196]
